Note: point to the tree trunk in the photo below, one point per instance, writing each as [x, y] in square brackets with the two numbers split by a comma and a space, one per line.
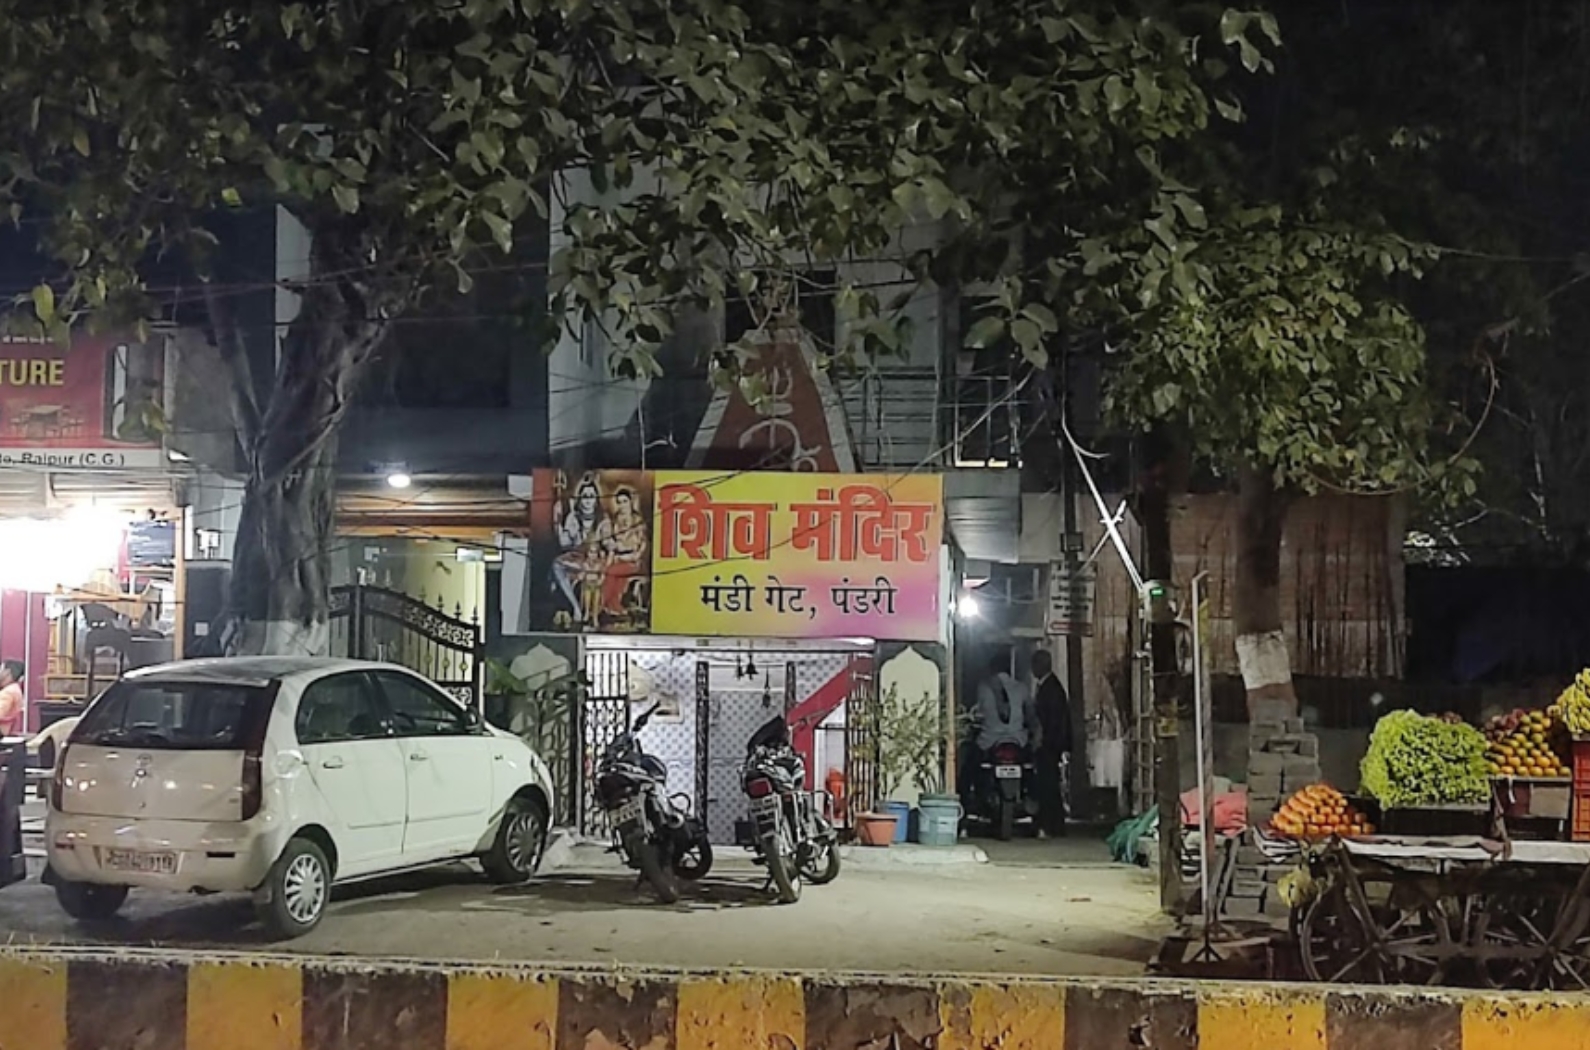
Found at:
[1261, 644]
[279, 601]
[280, 593]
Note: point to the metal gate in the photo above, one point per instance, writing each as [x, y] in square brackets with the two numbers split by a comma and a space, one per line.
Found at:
[602, 717]
[861, 741]
[374, 623]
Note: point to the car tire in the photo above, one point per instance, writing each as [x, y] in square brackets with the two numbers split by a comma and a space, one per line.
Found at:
[298, 889]
[516, 852]
[89, 902]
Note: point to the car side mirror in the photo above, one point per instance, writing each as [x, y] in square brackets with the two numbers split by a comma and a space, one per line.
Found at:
[473, 721]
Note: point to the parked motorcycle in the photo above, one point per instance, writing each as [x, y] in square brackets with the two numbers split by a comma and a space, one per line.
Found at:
[1004, 787]
[656, 834]
[791, 830]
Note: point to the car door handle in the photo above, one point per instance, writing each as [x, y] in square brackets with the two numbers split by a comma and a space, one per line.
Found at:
[331, 763]
[418, 756]
[497, 756]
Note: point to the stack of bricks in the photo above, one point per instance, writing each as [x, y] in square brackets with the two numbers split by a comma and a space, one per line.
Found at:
[1282, 759]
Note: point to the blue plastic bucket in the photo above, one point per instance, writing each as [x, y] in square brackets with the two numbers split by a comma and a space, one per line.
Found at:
[901, 811]
[941, 820]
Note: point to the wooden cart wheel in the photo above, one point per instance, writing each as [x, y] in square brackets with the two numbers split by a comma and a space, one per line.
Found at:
[1569, 969]
[1508, 941]
[1335, 944]
[1417, 944]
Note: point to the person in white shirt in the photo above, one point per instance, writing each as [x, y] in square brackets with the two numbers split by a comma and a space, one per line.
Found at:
[1005, 713]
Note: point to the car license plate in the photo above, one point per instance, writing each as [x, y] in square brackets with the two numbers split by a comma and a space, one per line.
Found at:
[141, 862]
[1007, 772]
[765, 806]
[628, 811]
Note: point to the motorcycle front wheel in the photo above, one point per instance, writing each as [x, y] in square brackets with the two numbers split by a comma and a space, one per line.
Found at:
[785, 874]
[644, 853]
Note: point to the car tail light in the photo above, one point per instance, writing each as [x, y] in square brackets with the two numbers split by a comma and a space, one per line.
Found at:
[254, 767]
[58, 780]
[761, 787]
[253, 785]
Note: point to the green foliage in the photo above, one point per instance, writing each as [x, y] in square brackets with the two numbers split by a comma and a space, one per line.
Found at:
[1457, 123]
[715, 142]
[907, 744]
[1274, 342]
[1414, 760]
[1066, 156]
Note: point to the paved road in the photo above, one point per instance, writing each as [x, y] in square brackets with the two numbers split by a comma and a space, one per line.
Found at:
[963, 918]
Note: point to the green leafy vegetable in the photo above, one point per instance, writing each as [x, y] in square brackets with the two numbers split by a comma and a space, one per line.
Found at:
[1418, 761]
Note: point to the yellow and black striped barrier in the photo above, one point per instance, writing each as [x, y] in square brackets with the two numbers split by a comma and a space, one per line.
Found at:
[104, 1000]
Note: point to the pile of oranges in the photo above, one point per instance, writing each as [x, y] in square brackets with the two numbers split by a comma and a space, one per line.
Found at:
[1527, 744]
[1318, 812]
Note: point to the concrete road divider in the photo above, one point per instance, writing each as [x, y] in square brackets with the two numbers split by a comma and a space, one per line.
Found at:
[106, 1000]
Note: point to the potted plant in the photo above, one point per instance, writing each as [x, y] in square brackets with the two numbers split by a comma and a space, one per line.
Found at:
[541, 715]
[906, 745]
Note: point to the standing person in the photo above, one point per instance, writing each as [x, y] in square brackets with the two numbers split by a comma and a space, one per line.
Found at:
[12, 701]
[1054, 743]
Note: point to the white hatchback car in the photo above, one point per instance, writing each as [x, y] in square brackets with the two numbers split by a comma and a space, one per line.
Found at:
[282, 776]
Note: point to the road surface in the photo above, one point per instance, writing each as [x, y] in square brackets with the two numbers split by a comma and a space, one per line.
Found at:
[1085, 920]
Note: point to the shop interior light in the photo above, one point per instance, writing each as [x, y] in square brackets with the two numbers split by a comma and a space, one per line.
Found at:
[40, 555]
[967, 607]
[398, 479]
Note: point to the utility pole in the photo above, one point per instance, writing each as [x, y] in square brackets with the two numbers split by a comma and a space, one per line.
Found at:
[1155, 487]
[1071, 559]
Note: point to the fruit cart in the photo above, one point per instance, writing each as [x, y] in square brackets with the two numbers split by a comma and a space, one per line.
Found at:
[1450, 910]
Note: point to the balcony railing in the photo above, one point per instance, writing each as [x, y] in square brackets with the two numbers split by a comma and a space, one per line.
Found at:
[911, 419]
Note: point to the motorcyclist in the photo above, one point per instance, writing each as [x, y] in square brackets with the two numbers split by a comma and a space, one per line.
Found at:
[1005, 713]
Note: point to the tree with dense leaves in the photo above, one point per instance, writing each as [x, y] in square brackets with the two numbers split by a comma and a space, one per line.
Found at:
[746, 141]
[1452, 133]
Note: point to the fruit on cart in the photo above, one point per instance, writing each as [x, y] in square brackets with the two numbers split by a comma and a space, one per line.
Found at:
[1415, 760]
[1320, 811]
[1574, 705]
[1528, 744]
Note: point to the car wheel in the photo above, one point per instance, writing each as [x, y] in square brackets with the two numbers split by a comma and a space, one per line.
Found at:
[298, 889]
[87, 902]
[516, 853]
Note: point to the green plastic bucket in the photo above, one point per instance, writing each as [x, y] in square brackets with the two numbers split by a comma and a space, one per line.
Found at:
[941, 820]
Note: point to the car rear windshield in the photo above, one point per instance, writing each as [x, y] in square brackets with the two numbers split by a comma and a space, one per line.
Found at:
[176, 716]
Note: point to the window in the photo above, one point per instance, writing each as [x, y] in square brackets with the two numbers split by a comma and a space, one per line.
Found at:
[339, 709]
[418, 710]
[176, 716]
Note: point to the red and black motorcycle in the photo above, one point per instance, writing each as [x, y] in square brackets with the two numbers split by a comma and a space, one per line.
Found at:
[1004, 790]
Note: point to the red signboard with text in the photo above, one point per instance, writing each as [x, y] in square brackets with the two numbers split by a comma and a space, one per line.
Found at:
[85, 406]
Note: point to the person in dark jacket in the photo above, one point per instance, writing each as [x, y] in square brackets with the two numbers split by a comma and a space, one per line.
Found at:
[1054, 742]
